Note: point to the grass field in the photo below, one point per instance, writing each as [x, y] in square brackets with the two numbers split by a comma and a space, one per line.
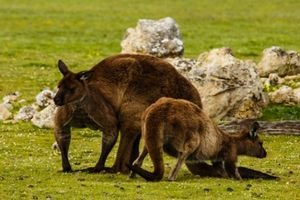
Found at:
[29, 169]
[35, 34]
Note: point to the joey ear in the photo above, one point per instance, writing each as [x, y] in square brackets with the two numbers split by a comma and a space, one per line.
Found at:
[253, 129]
[63, 67]
[84, 75]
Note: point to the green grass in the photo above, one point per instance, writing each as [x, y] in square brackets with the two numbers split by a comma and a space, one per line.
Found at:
[35, 34]
[29, 169]
[281, 112]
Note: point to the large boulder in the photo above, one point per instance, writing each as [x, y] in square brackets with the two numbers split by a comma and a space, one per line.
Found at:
[277, 60]
[183, 65]
[230, 88]
[160, 38]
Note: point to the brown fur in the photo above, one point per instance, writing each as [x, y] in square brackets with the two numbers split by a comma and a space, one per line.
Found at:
[111, 97]
[183, 130]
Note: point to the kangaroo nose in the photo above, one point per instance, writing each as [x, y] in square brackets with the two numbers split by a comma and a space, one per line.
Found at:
[58, 101]
[263, 154]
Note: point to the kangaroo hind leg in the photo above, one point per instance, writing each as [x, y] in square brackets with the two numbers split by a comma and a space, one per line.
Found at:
[189, 147]
[139, 161]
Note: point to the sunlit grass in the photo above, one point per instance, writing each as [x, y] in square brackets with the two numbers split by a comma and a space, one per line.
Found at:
[30, 169]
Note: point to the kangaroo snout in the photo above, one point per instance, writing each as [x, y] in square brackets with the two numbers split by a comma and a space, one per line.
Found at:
[263, 154]
[58, 101]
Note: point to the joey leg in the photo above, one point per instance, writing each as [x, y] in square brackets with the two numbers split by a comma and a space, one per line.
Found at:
[181, 159]
[232, 170]
[205, 170]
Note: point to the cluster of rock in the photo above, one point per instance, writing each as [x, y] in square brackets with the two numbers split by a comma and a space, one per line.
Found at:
[277, 60]
[280, 72]
[230, 88]
[6, 106]
[39, 113]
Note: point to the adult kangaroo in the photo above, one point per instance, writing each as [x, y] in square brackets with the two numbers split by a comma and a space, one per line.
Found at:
[181, 129]
[111, 97]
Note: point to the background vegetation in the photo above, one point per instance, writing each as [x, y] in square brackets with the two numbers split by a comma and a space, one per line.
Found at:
[35, 34]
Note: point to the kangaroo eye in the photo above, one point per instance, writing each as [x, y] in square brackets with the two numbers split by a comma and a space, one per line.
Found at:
[71, 90]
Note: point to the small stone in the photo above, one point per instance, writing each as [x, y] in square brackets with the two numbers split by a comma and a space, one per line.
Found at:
[284, 95]
[25, 113]
[12, 97]
[5, 114]
[45, 98]
[35, 197]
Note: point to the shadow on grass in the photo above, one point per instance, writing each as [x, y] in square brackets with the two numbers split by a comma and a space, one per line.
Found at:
[246, 173]
[205, 170]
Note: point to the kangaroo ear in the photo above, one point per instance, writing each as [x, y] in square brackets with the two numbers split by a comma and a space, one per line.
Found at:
[63, 67]
[84, 75]
[253, 129]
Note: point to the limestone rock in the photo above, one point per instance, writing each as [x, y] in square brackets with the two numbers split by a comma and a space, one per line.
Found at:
[6, 106]
[297, 95]
[277, 60]
[156, 37]
[284, 95]
[10, 98]
[229, 87]
[183, 65]
[25, 113]
[295, 78]
[274, 79]
[45, 98]
[5, 114]
[44, 118]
